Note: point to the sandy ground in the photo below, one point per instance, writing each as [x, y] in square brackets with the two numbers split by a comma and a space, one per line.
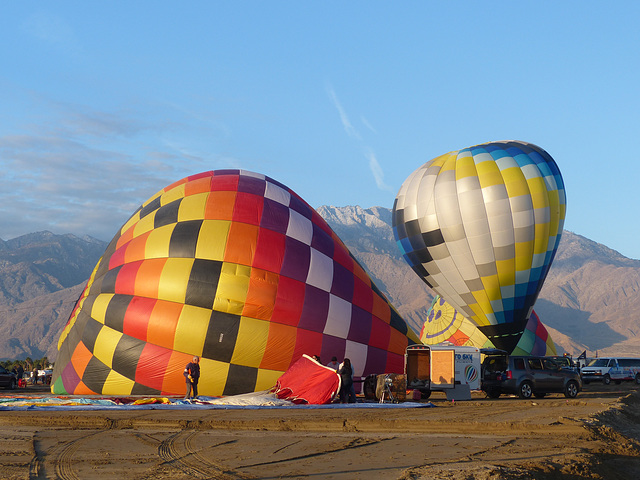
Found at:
[596, 435]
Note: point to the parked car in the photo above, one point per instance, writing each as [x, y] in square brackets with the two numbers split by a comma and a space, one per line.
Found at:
[565, 361]
[617, 369]
[527, 376]
[8, 379]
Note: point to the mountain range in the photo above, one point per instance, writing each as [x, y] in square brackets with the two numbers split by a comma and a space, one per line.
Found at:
[589, 301]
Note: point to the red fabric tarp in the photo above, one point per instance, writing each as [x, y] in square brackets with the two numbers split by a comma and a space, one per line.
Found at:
[307, 381]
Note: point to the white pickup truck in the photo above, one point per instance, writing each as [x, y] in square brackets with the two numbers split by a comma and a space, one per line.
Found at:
[611, 368]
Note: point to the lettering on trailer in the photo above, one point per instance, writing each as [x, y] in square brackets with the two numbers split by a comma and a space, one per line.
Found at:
[464, 357]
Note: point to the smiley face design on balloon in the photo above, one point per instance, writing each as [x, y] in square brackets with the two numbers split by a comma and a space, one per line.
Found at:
[445, 324]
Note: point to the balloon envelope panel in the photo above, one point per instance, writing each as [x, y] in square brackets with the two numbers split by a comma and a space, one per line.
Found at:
[481, 227]
[236, 268]
[445, 324]
[535, 339]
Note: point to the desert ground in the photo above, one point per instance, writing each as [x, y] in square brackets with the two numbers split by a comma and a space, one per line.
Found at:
[595, 436]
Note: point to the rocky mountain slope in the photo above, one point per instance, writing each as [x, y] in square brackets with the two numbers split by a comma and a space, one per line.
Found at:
[592, 295]
[41, 277]
[41, 263]
[32, 328]
[590, 300]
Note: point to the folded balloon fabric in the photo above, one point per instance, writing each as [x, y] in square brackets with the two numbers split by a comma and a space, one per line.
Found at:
[307, 381]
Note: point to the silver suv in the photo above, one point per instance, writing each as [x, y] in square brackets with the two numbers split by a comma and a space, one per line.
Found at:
[526, 376]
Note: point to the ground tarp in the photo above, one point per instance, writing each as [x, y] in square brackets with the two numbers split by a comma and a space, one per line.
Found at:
[257, 400]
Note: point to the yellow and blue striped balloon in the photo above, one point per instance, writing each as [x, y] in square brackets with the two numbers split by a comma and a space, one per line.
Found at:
[481, 227]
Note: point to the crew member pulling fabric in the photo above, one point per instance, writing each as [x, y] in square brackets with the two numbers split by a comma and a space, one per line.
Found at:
[192, 375]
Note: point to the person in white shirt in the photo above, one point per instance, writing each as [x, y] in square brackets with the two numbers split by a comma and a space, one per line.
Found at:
[333, 363]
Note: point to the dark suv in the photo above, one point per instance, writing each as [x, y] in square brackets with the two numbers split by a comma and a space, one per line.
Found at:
[8, 379]
[526, 376]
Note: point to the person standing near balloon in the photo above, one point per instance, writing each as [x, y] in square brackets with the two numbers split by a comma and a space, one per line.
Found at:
[352, 388]
[334, 363]
[346, 380]
[192, 375]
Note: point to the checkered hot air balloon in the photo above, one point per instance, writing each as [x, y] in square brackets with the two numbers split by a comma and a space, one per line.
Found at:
[236, 268]
[481, 227]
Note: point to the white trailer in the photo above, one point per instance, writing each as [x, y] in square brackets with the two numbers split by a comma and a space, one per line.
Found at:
[444, 367]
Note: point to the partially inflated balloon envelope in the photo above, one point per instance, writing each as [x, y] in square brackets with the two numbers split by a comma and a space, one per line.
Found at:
[481, 226]
[535, 339]
[236, 268]
[445, 324]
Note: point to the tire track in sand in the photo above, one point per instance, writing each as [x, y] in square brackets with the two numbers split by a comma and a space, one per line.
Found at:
[64, 460]
[36, 465]
[352, 444]
[192, 462]
[61, 456]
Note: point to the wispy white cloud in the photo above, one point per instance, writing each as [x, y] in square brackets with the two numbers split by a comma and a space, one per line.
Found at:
[85, 171]
[346, 123]
[368, 125]
[376, 170]
[374, 165]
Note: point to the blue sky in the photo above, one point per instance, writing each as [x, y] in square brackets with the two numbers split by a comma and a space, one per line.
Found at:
[104, 103]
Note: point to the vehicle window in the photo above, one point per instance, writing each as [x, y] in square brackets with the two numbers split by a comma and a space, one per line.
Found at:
[599, 362]
[495, 364]
[518, 363]
[629, 362]
[612, 363]
[535, 364]
[3, 370]
[550, 364]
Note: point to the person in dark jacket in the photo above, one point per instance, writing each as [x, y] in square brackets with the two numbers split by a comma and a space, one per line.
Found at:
[192, 375]
[346, 380]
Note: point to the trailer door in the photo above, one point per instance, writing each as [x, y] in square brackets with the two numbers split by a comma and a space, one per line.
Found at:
[443, 369]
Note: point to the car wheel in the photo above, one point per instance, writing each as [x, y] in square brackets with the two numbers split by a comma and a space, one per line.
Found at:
[571, 390]
[424, 394]
[607, 379]
[539, 395]
[637, 378]
[525, 390]
[12, 384]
